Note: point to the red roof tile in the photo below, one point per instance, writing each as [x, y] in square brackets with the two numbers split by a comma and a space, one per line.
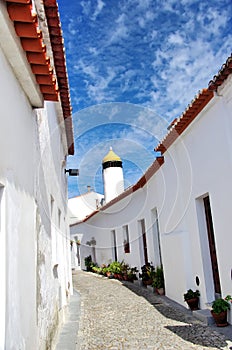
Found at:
[26, 27]
[222, 75]
[140, 184]
[178, 127]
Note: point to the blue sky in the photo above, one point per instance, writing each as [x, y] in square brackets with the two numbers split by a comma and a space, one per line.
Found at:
[134, 66]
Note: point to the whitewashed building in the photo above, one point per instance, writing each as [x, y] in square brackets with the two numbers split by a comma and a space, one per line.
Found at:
[79, 208]
[83, 205]
[35, 138]
[178, 214]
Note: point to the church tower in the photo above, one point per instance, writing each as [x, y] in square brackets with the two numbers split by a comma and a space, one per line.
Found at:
[112, 175]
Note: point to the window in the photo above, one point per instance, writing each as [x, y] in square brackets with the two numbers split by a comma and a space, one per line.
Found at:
[126, 240]
[143, 240]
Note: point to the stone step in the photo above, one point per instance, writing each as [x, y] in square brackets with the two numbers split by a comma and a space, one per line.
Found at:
[204, 316]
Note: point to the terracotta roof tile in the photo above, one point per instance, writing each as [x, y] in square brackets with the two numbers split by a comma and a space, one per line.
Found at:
[27, 28]
[178, 126]
[222, 75]
[140, 184]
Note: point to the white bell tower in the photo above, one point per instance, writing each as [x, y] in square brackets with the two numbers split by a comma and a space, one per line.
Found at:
[112, 175]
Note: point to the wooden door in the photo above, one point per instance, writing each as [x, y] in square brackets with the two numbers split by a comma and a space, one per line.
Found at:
[115, 255]
[144, 241]
[212, 246]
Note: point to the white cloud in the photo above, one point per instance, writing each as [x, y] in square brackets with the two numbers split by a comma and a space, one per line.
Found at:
[213, 20]
[168, 5]
[113, 111]
[120, 31]
[98, 10]
[72, 27]
[154, 34]
[143, 4]
[149, 15]
[142, 22]
[98, 91]
[93, 50]
[159, 53]
[175, 38]
[86, 7]
[127, 79]
[87, 69]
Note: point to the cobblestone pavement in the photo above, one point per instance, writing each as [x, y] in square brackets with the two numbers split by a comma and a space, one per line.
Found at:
[120, 316]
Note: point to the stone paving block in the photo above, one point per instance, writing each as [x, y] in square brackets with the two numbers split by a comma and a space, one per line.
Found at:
[204, 316]
[122, 315]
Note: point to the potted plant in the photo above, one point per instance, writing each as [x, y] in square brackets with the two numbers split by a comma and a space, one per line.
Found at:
[88, 262]
[147, 274]
[192, 299]
[158, 280]
[124, 271]
[219, 312]
[228, 298]
[115, 269]
[132, 274]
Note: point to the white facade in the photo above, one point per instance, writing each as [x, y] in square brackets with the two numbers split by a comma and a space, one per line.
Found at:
[35, 268]
[168, 205]
[82, 206]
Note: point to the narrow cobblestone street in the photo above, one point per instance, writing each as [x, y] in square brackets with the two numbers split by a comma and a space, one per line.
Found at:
[119, 316]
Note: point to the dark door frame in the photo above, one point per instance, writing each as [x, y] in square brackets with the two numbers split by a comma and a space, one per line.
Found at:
[212, 245]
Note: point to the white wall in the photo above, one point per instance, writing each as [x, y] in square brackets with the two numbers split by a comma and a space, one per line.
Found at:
[199, 163]
[81, 206]
[31, 170]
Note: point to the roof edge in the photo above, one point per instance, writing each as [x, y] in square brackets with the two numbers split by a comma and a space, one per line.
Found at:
[181, 123]
[222, 75]
[159, 161]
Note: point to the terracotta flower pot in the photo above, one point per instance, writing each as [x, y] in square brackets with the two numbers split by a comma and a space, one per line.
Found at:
[147, 282]
[160, 291]
[220, 319]
[193, 303]
[125, 277]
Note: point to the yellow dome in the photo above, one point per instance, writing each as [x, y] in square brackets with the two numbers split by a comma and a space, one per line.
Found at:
[111, 157]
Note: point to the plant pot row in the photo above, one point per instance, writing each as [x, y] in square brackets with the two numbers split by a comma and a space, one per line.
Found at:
[219, 310]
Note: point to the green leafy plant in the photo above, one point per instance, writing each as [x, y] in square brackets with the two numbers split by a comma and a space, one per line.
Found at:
[115, 267]
[220, 305]
[89, 263]
[228, 298]
[190, 294]
[158, 280]
[97, 269]
[148, 272]
[132, 273]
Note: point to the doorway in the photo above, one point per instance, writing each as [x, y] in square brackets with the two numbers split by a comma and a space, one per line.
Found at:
[212, 245]
[156, 238]
[114, 246]
[144, 241]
